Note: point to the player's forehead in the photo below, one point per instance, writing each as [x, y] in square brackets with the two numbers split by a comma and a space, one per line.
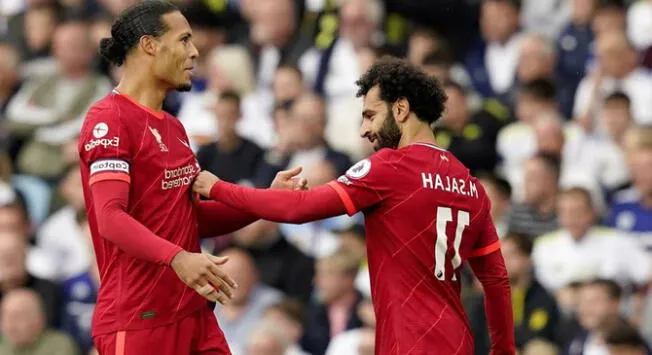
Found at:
[176, 25]
[372, 101]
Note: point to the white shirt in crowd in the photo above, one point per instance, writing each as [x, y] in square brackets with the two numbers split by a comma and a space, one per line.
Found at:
[62, 250]
[637, 85]
[560, 260]
[639, 24]
[501, 61]
[199, 119]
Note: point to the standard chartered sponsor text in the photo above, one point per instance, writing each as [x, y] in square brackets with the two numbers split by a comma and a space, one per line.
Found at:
[178, 177]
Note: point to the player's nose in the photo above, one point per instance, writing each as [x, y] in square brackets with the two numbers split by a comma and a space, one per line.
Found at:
[194, 53]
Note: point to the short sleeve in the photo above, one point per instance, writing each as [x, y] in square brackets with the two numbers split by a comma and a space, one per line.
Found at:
[104, 146]
[366, 183]
[487, 241]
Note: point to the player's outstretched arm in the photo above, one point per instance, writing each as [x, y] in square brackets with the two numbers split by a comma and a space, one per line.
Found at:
[276, 205]
[216, 218]
[490, 270]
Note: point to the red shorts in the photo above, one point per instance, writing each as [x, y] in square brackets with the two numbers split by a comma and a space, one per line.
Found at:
[197, 334]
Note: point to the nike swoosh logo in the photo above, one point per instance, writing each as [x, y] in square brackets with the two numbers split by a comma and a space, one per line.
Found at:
[183, 142]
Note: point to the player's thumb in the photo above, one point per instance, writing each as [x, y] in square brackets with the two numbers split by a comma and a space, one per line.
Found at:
[290, 173]
[218, 260]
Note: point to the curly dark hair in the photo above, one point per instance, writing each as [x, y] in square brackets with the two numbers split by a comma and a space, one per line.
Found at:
[398, 79]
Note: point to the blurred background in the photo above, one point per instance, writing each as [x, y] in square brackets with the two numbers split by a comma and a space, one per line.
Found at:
[550, 106]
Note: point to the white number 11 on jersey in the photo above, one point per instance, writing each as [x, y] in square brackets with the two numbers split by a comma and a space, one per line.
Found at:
[445, 215]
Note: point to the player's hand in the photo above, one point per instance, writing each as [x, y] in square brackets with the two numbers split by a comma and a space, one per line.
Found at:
[288, 180]
[204, 183]
[201, 273]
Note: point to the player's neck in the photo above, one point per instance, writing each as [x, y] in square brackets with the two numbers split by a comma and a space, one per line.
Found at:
[419, 132]
[146, 91]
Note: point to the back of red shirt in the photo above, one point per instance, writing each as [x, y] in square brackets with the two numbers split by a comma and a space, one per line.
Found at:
[425, 215]
[122, 140]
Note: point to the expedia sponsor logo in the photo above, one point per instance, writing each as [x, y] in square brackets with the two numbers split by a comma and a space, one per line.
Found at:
[178, 177]
[110, 165]
[104, 142]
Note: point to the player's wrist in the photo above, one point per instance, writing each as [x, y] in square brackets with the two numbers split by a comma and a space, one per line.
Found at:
[177, 259]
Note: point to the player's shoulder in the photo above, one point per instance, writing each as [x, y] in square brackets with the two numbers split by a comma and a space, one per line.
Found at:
[106, 109]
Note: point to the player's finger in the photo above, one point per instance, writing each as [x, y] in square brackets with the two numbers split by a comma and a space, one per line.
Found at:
[217, 281]
[221, 299]
[205, 290]
[218, 260]
[290, 173]
[224, 276]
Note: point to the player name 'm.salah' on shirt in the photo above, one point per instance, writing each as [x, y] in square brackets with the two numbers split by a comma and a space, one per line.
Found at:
[408, 195]
[122, 140]
[425, 215]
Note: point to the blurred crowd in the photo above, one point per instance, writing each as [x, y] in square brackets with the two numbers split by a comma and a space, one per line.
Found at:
[549, 105]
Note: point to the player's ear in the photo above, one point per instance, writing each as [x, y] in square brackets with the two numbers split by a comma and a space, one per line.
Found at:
[149, 44]
[401, 109]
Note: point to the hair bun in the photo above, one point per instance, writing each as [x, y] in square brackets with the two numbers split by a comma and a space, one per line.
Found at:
[112, 51]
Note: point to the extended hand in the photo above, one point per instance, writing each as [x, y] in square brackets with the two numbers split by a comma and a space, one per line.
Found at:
[201, 273]
[204, 182]
[288, 180]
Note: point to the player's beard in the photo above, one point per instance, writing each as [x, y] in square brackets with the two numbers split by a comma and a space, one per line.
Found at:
[390, 134]
[184, 87]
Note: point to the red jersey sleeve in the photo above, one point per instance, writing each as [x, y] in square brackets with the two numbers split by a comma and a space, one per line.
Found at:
[487, 241]
[104, 146]
[366, 183]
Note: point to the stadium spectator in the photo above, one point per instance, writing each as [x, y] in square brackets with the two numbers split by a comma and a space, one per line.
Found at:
[540, 347]
[537, 59]
[632, 208]
[616, 116]
[231, 156]
[9, 79]
[421, 42]
[598, 310]
[573, 47]
[61, 237]
[266, 339]
[287, 315]
[492, 61]
[610, 17]
[516, 142]
[470, 136]
[360, 21]
[581, 250]
[547, 17]
[617, 70]
[238, 317]
[79, 293]
[25, 329]
[307, 146]
[35, 36]
[355, 341]
[586, 160]
[536, 315]
[50, 109]
[334, 309]
[229, 69]
[624, 339]
[287, 84]
[639, 29]
[274, 31]
[280, 264]
[13, 254]
[536, 215]
[500, 194]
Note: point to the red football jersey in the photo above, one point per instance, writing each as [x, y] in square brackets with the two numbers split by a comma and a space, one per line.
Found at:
[121, 139]
[425, 215]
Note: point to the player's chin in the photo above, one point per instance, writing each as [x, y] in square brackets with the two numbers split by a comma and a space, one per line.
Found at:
[186, 86]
